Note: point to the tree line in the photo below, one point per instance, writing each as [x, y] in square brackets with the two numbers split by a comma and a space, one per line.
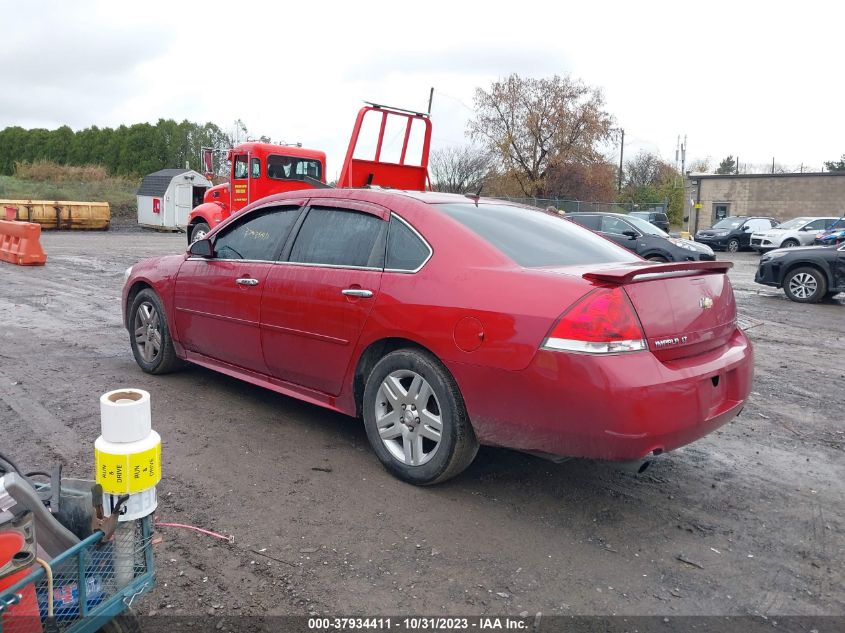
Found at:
[132, 150]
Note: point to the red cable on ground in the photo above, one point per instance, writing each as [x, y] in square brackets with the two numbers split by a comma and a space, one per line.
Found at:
[222, 537]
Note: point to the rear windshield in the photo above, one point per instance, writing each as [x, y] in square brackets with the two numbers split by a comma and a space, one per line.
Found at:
[534, 238]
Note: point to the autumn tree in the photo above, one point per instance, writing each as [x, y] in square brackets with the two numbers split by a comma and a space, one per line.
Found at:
[649, 179]
[530, 125]
[575, 181]
[727, 166]
[459, 169]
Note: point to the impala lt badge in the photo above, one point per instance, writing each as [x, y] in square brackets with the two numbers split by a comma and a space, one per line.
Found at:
[706, 303]
[670, 341]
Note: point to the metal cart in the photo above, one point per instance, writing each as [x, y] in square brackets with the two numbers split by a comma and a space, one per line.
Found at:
[93, 584]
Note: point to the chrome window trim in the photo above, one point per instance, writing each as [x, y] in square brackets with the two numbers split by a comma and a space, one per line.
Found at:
[422, 239]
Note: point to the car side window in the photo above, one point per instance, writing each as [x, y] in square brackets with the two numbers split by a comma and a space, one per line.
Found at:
[616, 226]
[240, 169]
[337, 237]
[592, 222]
[258, 236]
[817, 225]
[405, 250]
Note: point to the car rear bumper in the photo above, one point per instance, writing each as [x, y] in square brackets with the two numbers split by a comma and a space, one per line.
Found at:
[619, 408]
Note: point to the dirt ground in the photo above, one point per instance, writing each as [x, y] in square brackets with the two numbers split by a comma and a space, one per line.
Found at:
[749, 520]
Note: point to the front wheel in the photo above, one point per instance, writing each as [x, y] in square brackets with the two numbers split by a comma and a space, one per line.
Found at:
[416, 420]
[150, 337]
[805, 285]
[789, 243]
[733, 245]
[657, 258]
[199, 231]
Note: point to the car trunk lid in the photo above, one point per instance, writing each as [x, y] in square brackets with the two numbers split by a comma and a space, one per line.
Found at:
[684, 308]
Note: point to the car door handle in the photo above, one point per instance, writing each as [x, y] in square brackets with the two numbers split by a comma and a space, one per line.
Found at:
[246, 281]
[357, 292]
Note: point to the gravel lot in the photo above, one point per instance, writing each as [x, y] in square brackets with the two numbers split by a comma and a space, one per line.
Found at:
[755, 509]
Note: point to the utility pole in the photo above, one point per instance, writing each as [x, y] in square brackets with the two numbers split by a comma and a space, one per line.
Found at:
[621, 154]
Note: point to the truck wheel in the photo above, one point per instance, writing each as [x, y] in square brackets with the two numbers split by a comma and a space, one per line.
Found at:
[415, 418]
[199, 231]
[805, 285]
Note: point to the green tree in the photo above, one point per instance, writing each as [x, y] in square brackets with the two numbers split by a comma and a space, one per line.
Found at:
[727, 166]
[835, 165]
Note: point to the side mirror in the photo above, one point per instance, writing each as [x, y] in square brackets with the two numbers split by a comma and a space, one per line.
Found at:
[201, 248]
[632, 235]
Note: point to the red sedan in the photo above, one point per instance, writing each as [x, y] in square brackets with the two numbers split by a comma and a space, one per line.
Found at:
[446, 322]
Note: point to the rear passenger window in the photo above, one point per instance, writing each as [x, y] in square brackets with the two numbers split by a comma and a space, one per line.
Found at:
[405, 250]
[258, 236]
[592, 222]
[337, 237]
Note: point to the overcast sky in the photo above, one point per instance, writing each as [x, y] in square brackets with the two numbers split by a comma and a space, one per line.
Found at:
[754, 79]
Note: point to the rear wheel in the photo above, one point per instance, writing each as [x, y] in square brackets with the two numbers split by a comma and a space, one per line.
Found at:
[733, 245]
[149, 335]
[805, 285]
[415, 418]
[790, 243]
[199, 231]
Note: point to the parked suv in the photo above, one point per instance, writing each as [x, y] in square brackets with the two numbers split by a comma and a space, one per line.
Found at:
[657, 218]
[733, 233]
[642, 237]
[796, 232]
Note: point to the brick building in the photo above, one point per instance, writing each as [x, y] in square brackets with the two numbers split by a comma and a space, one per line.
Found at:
[781, 196]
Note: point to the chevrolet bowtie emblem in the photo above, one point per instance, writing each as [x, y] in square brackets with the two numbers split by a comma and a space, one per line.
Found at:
[706, 303]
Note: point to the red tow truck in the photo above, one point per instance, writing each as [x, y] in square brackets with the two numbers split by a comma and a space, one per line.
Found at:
[262, 169]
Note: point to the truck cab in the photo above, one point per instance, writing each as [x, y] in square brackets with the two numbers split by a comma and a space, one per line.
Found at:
[257, 170]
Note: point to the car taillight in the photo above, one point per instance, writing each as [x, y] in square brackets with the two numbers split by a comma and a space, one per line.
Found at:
[603, 322]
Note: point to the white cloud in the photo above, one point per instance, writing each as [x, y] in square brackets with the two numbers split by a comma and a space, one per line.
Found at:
[738, 78]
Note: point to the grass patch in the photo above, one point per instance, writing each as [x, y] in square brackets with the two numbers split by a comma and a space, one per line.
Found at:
[47, 181]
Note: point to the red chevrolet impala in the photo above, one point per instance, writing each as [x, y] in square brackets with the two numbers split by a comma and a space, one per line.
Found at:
[446, 322]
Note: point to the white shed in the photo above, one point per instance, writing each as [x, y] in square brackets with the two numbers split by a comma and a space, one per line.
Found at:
[166, 197]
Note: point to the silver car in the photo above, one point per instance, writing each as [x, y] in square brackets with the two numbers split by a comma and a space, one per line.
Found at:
[796, 232]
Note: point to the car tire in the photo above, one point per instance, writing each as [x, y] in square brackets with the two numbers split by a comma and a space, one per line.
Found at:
[790, 243]
[199, 231]
[149, 335]
[732, 245]
[657, 258]
[408, 394]
[805, 285]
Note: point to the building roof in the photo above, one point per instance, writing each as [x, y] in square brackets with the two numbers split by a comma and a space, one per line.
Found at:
[695, 176]
[156, 183]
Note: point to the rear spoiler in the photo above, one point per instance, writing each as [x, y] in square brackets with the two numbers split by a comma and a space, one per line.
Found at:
[630, 274]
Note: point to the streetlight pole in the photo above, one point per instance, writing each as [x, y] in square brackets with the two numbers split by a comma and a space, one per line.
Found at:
[621, 154]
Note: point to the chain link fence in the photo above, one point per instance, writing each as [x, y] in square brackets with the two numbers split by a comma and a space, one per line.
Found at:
[574, 206]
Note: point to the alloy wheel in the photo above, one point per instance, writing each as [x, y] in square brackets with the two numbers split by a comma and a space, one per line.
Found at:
[147, 329]
[803, 285]
[408, 417]
[733, 246]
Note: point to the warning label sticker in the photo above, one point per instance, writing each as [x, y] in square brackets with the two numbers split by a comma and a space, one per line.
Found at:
[128, 474]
